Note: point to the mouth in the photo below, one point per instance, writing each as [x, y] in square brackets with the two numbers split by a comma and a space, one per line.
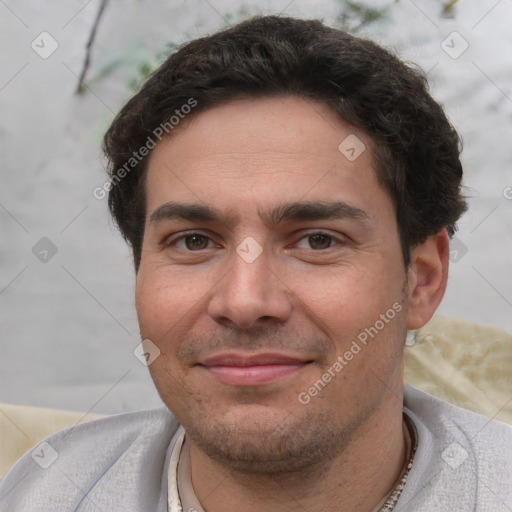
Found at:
[238, 369]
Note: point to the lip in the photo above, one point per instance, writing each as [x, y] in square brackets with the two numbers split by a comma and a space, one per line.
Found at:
[240, 369]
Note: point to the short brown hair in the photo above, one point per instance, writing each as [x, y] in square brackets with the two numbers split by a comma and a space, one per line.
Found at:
[416, 148]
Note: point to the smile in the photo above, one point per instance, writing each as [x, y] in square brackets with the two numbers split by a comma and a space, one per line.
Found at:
[251, 370]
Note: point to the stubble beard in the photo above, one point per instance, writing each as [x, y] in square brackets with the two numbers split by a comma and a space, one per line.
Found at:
[292, 447]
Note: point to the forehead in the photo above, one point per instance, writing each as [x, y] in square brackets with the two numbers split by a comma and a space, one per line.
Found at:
[261, 151]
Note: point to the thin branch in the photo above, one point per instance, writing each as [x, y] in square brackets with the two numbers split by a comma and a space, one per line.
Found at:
[81, 86]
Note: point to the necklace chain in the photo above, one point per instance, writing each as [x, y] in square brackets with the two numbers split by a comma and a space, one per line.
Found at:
[392, 500]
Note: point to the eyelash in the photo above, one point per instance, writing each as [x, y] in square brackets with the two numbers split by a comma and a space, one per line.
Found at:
[173, 242]
[169, 243]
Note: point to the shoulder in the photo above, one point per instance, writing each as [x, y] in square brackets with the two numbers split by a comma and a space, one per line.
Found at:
[463, 458]
[439, 415]
[112, 460]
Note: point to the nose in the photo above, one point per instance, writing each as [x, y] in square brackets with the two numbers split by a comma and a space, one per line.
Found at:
[250, 295]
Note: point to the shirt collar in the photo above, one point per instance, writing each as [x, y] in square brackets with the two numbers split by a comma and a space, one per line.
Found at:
[173, 497]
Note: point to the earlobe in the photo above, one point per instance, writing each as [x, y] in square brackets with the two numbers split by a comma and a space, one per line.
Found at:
[427, 277]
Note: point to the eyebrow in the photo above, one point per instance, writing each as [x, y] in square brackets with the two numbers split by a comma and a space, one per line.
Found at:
[289, 212]
[191, 212]
[308, 210]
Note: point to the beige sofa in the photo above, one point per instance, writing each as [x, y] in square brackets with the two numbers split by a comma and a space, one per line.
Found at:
[463, 363]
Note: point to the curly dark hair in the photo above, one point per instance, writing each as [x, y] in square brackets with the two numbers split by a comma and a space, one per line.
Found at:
[415, 146]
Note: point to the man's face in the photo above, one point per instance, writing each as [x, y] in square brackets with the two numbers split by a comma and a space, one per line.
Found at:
[245, 335]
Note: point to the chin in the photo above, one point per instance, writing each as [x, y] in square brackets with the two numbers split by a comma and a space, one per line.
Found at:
[250, 443]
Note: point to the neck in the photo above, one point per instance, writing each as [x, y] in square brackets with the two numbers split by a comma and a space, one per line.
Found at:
[359, 477]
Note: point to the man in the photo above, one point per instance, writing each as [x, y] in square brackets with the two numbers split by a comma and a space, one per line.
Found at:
[288, 191]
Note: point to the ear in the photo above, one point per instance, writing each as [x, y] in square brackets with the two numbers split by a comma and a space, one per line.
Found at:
[427, 277]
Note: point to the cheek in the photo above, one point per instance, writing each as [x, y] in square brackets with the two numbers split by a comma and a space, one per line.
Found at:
[162, 302]
[352, 302]
[165, 311]
[347, 295]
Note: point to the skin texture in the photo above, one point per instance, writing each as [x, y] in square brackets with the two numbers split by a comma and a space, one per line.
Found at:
[257, 447]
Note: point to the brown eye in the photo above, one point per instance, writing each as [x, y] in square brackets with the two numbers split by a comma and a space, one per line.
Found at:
[320, 241]
[195, 242]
